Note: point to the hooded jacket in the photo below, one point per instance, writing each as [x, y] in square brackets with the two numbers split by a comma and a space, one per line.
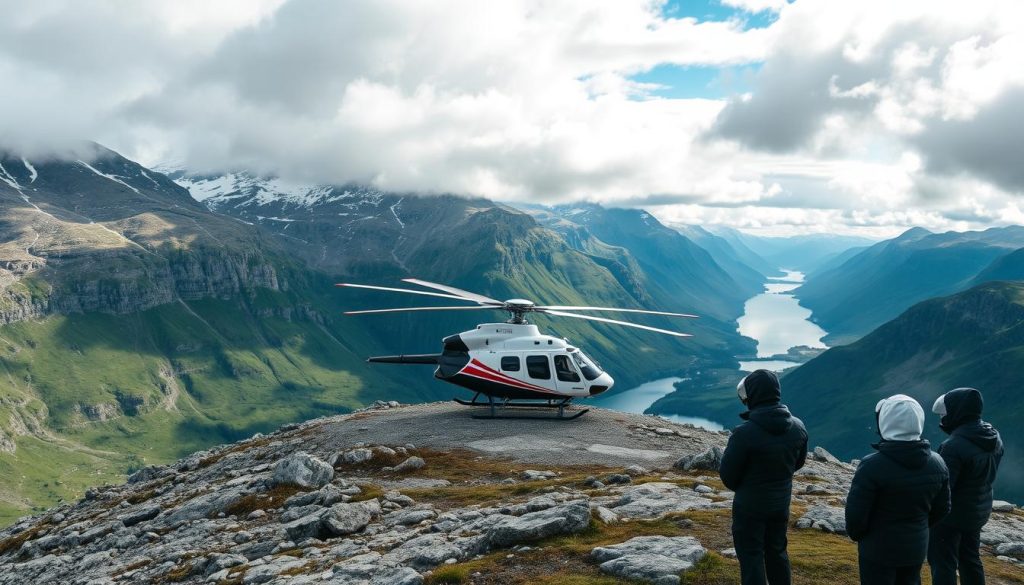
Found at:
[764, 451]
[899, 492]
[972, 454]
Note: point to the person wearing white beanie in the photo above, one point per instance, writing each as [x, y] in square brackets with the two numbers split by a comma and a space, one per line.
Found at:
[897, 494]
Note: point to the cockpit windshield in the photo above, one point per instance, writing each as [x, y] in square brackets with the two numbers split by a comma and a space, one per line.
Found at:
[589, 367]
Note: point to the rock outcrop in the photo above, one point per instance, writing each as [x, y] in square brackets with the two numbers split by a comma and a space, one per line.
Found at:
[271, 510]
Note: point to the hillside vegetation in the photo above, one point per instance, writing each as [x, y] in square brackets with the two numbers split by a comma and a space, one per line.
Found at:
[974, 338]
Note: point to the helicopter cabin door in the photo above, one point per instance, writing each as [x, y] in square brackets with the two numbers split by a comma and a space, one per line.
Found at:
[567, 378]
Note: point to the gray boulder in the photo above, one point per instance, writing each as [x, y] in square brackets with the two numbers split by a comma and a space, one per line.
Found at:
[823, 517]
[1010, 549]
[567, 518]
[347, 518]
[1002, 506]
[650, 500]
[820, 454]
[302, 470]
[411, 464]
[707, 460]
[141, 515]
[308, 526]
[655, 559]
[397, 576]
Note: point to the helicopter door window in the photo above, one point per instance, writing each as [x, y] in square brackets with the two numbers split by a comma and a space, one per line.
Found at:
[564, 369]
[538, 367]
[510, 363]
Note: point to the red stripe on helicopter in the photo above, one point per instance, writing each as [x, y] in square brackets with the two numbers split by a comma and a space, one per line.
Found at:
[505, 377]
[484, 375]
[480, 370]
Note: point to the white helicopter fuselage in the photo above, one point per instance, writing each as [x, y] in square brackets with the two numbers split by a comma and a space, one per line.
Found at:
[511, 360]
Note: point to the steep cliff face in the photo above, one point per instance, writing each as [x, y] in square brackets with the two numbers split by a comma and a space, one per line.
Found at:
[101, 233]
[137, 324]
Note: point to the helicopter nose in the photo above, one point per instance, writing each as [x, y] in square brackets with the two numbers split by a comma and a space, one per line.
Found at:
[602, 383]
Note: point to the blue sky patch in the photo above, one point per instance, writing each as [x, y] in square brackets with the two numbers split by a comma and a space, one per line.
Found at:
[714, 10]
[712, 82]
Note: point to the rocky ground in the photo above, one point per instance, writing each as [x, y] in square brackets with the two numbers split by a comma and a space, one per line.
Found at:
[426, 494]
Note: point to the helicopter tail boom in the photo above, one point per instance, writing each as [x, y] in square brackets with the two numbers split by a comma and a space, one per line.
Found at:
[423, 359]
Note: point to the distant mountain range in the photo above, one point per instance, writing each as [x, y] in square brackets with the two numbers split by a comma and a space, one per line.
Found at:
[974, 338]
[804, 253]
[851, 297]
[143, 318]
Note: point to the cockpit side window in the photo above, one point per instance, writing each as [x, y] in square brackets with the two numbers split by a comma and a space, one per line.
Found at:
[564, 369]
[538, 367]
[587, 366]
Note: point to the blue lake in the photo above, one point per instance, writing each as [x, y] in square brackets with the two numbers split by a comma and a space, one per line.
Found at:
[773, 318]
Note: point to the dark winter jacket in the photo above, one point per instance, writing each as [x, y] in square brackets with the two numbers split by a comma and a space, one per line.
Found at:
[763, 452]
[897, 494]
[972, 453]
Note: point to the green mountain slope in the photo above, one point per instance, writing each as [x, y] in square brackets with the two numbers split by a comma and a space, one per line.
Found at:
[974, 338]
[137, 324]
[881, 282]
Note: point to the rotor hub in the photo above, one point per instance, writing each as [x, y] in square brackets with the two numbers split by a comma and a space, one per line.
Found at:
[517, 308]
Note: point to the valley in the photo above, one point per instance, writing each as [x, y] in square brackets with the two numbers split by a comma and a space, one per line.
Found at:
[140, 321]
[180, 315]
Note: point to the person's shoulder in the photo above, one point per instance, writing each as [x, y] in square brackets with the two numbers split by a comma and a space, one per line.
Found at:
[800, 426]
[955, 446]
[742, 429]
[937, 462]
[869, 462]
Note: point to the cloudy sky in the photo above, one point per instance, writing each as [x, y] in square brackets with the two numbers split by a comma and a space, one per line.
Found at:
[775, 116]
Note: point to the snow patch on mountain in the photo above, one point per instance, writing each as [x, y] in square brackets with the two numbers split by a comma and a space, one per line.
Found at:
[244, 189]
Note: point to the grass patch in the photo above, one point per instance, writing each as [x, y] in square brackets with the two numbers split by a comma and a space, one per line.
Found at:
[274, 498]
[14, 542]
[712, 570]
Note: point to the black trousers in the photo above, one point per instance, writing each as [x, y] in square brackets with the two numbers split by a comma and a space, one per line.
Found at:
[761, 549]
[950, 549]
[875, 574]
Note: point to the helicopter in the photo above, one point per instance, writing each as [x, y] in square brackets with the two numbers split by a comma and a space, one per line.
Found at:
[512, 363]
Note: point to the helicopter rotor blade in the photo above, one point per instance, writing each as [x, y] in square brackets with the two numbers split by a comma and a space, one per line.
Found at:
[455, 291]
[404, 290]
[369, 311]
[644, 311]
[613, 322]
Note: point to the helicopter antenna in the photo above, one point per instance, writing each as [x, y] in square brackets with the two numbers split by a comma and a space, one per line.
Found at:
[517, 308]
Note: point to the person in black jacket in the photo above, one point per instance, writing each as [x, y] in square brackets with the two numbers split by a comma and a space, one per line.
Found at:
[897, 494]
[758, 464]
[972, 453]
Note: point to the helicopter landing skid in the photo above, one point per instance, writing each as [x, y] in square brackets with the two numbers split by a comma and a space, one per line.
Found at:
[496, 407]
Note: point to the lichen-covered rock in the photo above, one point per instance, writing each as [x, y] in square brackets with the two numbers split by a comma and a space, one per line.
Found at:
[823, 517]
[708, 460]
[413, 463]
[564, 519]
[303, 470]
[655, 559]
[347, 518]
[654, 499]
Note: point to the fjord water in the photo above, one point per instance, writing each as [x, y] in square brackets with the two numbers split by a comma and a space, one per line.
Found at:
[774, 319]
[637, 400]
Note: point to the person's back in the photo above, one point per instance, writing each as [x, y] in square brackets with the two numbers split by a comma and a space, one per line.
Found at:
[758, 464]
[896, 495]
[972, 453]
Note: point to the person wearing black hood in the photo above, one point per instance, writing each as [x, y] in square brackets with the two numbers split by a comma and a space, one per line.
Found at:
[972, 453]
[758, 464]
[897, 494]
